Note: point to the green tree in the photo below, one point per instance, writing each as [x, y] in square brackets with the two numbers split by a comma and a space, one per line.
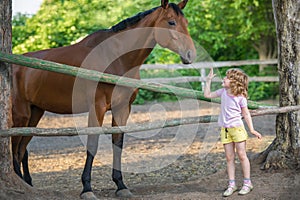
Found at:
[230, 29]
[226, 29]
[60, 23]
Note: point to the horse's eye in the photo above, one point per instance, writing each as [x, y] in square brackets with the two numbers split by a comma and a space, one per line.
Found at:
[172, 23]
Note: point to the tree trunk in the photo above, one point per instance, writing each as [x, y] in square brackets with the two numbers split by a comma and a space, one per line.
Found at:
[5, 87]
[284, 151]
[10, 182]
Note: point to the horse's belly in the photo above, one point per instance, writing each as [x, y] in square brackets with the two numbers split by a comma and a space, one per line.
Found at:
[61, 105]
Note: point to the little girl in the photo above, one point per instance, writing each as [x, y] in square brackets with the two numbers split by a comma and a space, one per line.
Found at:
[233, 134]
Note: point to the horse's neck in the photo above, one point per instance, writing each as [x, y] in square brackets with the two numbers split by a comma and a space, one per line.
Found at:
[108, 46]
[129, 47]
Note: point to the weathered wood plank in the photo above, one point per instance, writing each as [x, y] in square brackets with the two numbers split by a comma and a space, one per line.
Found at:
[72, 131]
[201, 65]
[185, 79]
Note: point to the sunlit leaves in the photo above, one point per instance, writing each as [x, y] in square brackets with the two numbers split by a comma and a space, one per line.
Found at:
[221, 26]
[227, 29]
[60, 23]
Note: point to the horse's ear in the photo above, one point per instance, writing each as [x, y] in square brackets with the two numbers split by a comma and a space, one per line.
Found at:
[182, 4]
[164, 4]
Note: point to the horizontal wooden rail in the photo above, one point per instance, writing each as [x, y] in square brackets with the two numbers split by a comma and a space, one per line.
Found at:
[207, 65]
[133, 128]
[104, 130]
[272, 111]
[99, 76]
[184, 79]
[111, 79]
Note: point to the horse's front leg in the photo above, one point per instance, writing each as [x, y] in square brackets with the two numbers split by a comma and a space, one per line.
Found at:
[119, 119]
[96, 115]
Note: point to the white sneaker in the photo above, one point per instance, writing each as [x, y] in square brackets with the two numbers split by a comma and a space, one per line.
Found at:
[230, 190]
[246, 189]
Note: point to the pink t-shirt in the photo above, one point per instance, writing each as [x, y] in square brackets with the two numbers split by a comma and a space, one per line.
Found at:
[231, 109]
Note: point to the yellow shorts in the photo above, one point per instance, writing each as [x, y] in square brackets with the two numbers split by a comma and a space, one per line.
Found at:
[235, 134]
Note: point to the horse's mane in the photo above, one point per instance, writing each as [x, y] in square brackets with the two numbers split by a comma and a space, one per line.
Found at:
[132, 20]
[135, 19]
[126, 23]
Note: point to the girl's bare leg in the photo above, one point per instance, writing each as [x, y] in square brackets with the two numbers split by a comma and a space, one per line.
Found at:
[241, 151]
[230, 156]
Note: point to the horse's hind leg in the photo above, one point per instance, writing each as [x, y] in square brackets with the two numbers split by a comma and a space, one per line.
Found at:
[26, 177]
[21, 115]
[36, 115]
[20, 143]
[16, 163]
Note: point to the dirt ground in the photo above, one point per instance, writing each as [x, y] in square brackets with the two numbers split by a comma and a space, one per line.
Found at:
[185, 162]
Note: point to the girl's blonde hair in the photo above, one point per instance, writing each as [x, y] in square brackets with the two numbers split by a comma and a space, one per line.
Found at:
[238, 82]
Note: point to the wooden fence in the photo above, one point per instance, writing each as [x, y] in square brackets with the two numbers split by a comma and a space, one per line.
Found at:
[113, 79]
[102, 77]
[207, 65]
[133, 128]
[201, 66]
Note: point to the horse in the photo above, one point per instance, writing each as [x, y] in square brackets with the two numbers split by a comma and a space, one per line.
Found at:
[119, 50]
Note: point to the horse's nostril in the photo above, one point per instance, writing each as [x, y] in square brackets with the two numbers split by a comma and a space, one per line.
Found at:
[188, 55]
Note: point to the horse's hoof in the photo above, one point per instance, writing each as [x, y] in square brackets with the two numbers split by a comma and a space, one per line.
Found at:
[88, 196]
[125, 193]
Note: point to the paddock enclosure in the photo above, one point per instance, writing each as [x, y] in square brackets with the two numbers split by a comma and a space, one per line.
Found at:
[148, 84]
[56, 161]
[151, 159]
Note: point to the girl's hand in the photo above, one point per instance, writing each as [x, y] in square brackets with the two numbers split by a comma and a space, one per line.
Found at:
[257, 134]
[211, 75]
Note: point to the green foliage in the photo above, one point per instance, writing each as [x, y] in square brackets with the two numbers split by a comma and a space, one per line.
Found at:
[59, 23]
[160, 55]
[260, 91]
[221, 29]
[20, 30]
[226, 29]
[147, 96]
[231, 30]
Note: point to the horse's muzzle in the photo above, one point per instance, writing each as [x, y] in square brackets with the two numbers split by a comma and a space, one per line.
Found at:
[189, 57]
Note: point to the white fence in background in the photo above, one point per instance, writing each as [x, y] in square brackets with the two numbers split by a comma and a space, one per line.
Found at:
[201, 66]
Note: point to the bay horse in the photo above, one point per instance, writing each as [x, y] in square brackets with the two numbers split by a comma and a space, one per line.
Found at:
[119, 51]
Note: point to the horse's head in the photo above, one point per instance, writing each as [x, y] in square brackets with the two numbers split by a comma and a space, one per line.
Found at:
[171, 30]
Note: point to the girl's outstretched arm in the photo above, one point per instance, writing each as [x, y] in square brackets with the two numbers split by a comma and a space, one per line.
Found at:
[207, 92]
[247, 116]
